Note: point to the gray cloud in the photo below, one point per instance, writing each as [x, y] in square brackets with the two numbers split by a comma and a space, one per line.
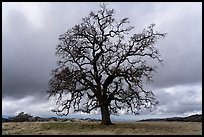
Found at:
[180, 99]
[28, 53]
[30, 35]
[30, 104]
[26, 58]
[182, 50]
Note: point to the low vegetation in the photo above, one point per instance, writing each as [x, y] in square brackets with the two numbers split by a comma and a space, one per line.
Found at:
[25, 124]
[94, 128]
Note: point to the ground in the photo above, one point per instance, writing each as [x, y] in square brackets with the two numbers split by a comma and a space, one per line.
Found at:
[94, 128]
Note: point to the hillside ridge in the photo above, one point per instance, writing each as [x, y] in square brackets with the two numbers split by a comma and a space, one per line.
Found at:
[26, 118]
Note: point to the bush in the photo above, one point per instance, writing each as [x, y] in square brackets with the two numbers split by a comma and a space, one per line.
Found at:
[22, 117]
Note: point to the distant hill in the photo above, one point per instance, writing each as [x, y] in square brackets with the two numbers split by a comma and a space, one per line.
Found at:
[40, 119]
[28, 118]
[5, 120]
[192, 118]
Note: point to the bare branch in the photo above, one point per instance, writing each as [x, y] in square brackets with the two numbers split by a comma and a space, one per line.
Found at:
[101, 67]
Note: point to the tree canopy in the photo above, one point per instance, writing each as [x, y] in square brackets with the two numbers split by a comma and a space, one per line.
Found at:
[102, 67]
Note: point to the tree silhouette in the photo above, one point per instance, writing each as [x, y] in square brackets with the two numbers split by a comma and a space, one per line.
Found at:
[101, 68]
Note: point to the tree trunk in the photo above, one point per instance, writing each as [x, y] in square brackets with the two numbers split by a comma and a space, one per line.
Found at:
[105, 115]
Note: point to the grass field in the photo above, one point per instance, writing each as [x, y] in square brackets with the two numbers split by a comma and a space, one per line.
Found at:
[94, 128]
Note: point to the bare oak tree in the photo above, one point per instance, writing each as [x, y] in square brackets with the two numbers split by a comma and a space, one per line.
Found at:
[101, 68]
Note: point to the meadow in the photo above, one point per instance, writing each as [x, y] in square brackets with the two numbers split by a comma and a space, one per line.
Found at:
[94, 128]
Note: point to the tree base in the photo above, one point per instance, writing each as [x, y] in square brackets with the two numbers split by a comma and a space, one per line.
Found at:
[107, 124]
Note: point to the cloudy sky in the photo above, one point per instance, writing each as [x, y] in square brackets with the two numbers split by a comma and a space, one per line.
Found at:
[30, 35]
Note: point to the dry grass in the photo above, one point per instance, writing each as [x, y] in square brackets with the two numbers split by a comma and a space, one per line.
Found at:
[94, 128]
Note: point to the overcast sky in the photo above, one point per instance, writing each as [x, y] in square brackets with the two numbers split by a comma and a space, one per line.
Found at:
[30, 35]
